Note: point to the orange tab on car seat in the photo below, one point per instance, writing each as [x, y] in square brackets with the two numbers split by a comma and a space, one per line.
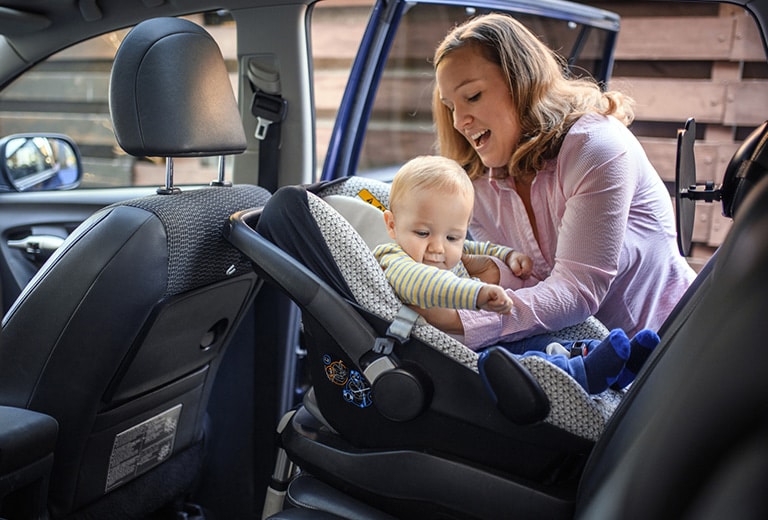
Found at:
[368, 197]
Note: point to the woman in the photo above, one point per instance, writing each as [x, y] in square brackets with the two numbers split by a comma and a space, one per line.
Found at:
[557, 176]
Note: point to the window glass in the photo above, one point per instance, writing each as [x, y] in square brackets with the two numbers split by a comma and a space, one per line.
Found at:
[401, 120]
[69, 94]
[337, 27]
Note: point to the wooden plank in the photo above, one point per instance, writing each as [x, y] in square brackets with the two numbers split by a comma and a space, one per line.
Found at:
[663, 155]
[719, 229]
[674, 100]
[336, 33]
[104, 47]
[93, 129]
[405, 92]
[702, 222]
[745, 103]
[88, 87]
[675, 38]
[747, 44]
[329, 88]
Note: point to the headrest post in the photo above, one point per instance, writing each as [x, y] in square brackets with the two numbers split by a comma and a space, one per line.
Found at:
[169, 189]
[221, 181]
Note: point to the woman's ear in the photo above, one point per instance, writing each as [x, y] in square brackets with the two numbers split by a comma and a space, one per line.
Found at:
[389, 222]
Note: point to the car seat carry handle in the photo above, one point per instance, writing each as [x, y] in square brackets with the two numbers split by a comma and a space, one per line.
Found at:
[351, 332]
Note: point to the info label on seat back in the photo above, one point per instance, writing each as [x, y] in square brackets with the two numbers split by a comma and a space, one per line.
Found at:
[142, 447]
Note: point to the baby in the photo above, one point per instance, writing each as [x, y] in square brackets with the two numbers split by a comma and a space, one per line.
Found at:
[432, 264]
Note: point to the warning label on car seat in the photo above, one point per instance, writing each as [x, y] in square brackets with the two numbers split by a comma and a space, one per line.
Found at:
[142, 447]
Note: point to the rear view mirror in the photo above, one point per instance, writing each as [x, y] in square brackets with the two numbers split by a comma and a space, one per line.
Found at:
[747, 167]
[39, 162]
[685, 179]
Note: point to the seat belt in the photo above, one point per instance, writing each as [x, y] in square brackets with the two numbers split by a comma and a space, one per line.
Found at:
[269, 108]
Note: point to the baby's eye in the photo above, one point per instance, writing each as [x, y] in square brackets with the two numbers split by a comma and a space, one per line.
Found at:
[421, 234]
[452, 238]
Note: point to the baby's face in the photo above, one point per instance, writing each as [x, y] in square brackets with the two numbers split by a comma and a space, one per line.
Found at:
[431, 226]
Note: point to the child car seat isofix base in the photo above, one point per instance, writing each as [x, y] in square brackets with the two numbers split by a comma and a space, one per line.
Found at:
[397, 405]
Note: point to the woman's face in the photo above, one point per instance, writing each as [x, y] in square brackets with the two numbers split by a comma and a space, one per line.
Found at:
[475, 90]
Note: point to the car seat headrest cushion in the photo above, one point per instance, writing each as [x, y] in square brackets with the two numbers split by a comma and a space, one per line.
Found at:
[170, 93]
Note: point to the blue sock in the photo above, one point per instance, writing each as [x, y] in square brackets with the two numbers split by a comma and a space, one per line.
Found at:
[604, 363]
[641, 347]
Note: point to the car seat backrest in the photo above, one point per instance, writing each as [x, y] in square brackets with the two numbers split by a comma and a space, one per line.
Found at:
[141, 300]
[688, 440]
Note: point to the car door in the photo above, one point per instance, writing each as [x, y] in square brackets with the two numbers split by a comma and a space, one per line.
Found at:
[385, 115]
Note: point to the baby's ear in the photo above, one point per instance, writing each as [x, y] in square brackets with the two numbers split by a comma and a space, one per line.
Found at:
[389, 221]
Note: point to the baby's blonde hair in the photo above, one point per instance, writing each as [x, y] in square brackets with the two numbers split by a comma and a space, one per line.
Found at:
[430, 172]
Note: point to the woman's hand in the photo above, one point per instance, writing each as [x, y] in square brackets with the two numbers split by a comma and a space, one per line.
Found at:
[482, 268]
[444, 319]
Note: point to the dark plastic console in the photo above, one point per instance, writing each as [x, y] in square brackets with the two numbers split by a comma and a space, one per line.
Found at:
[409, 483]
[27, 442]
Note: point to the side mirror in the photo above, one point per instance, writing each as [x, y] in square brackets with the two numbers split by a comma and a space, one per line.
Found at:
[39, 162]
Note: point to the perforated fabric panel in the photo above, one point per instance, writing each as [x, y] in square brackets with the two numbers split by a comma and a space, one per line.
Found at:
[198, 253]
[351, 186]
[572, 409]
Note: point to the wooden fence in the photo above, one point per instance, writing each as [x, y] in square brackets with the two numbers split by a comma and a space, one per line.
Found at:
[675, 60]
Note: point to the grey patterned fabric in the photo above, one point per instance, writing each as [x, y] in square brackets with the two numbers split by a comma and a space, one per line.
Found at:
[198, 253]
[572, 409]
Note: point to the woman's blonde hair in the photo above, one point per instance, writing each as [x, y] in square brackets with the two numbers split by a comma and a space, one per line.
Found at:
[432, 172]
[548, 102]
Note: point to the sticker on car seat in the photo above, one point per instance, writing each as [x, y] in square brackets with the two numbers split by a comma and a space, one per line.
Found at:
[355, 389]
[336, 371]
[368, 197]
[142, 447]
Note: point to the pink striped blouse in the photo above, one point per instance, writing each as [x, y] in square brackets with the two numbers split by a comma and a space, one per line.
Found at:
[606, 239]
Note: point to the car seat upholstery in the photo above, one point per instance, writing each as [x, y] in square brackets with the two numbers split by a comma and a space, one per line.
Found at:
[667, 451]
[120, 334]
[328, 268]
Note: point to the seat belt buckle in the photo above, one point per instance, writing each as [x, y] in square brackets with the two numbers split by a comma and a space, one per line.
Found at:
[267, 109]
[579, 348]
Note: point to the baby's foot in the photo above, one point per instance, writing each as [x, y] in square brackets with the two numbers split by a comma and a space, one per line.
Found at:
[641, 347]
[604, 363]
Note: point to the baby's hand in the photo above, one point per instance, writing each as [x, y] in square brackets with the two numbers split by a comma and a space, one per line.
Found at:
[520, 264]
[493, 298]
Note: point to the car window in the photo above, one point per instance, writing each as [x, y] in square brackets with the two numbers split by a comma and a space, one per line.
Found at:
[716, 73]
[69, 94]
[400, 126]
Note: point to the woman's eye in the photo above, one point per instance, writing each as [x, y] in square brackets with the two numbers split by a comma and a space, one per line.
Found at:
[474, 98]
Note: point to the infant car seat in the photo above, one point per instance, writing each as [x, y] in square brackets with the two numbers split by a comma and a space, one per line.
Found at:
[392, 413]
[688, 439]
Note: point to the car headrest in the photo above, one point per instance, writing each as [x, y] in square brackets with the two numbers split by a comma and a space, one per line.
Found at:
[747, 167]
[170, 94]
